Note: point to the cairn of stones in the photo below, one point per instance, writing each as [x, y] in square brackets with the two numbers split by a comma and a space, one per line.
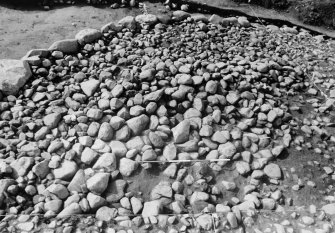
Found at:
[191, 96]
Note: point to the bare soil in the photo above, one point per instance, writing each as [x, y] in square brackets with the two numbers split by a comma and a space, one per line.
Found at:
[29, 27]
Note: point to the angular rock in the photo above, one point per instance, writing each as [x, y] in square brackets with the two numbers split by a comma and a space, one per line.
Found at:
[118, 148]
[136, 205]
[115, 190]
[227, 150]
[242, 167]
[21, 166]
[151, 208]
[90, 86]
[106, 132]
[162, 190]
[70, 210]
[31, 149]
[198, 197]
[107, 160]
[59, 190]
[52, 120]
[66, 170]
[268, 203]
[135, 143]
[147, 75]
[13, 75]
[98, 183]
[4, 184]
[106, 214]
[116, 122]
[100, 146]
[78, 183]
[127, 166]
[205, 221]
[262, 67]
[138, 124]
[156, 140]
[95, 201]
[181, 132]
[153, 96]
[54, 206]
[41, 169]
[233, 97]
[231, 217]
[88, 156]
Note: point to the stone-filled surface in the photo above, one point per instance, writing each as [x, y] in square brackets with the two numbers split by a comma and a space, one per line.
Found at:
[81, 135]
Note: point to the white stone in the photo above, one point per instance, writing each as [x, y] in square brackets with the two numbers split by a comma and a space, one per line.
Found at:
[13, 75]
[329, 209]
[98, 183]
[127, 166]
[151, 208]
[146, 19]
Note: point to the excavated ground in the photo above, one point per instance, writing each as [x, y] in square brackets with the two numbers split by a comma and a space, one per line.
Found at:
[275, 86]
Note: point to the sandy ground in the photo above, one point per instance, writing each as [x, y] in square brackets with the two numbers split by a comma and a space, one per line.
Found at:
[22, 29]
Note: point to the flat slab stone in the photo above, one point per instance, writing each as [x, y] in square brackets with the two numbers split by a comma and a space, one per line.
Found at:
[37, 52]
[13, 75]
[146, 19]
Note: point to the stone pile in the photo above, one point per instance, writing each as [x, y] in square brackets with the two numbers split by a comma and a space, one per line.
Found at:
[98, 107]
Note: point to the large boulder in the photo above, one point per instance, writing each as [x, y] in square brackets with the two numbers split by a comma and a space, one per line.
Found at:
[128, 22]
[65, 46]
[13, 75]
[111, 26]
[88, 35]
[180, 15]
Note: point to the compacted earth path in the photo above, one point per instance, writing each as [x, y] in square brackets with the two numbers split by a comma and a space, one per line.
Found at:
[170, 123]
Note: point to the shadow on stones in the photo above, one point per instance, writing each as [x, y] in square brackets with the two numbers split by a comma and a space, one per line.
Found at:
[284, 155]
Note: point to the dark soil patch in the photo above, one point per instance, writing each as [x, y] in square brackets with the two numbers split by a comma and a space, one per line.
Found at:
[313, 12]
